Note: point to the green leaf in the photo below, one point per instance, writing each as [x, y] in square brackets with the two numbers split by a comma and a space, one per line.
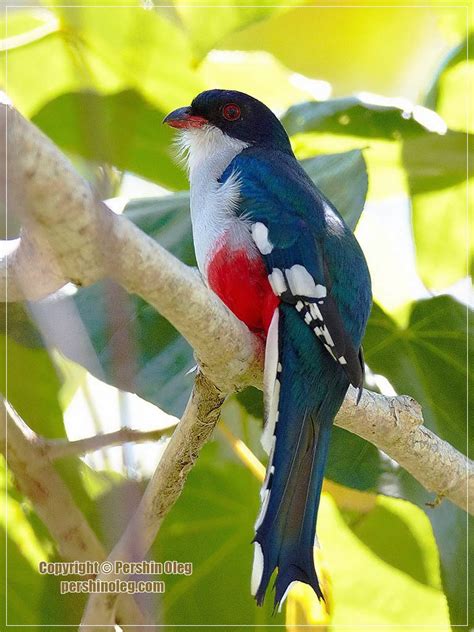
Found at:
[33, 394]
[211, 526]
[431, 159]
[104, 50]
[383, 566]
[427, 360]
[120, 129]
[355, 48]
[448, 91]
[374, 117]
[442, 234]
[207, 26]
[27, 544]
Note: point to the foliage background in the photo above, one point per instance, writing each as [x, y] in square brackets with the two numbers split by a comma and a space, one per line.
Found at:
[352, 84]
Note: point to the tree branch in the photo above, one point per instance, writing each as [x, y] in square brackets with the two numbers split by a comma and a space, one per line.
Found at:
[38, 480]
[60, 448]
[85, 241]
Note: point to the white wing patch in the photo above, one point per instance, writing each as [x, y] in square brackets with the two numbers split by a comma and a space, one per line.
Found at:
[277, 281]
[257, 569]
[271, 384]
[302, 283]
[260, 237]
[295, 279]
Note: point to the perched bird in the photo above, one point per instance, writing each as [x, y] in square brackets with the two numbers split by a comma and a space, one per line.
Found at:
[280, 256]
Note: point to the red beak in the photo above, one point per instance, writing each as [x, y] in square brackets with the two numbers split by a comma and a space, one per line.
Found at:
[182, 118]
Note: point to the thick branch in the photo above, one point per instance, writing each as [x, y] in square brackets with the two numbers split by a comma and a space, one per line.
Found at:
[89, 242]
[38, 480]
[195, 428]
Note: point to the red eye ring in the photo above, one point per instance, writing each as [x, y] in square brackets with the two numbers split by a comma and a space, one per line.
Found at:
[231, 112]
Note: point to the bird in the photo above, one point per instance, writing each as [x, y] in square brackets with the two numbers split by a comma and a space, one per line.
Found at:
[277, 252]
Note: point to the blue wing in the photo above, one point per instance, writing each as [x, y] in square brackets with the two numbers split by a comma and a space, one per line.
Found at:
[313, 260]
[312, 352]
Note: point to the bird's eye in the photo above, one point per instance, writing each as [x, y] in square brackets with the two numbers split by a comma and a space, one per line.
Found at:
[231, 112]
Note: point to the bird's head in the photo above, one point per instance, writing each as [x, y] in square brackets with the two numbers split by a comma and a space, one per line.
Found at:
[236, 115]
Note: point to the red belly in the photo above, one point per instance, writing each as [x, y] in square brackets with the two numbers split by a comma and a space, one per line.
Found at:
[242, 284]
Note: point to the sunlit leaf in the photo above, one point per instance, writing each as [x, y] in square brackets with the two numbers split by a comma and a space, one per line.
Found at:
[374, 584]
[211, 526]
[206, 26]
[448, 91]
[427, 360]
[104, 49]
[354, 48]
[443, 234]
[33, 394]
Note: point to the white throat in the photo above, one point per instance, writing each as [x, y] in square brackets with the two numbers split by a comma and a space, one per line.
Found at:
[208, 152]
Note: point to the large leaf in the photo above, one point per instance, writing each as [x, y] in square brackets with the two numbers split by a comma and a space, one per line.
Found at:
[211, 526]
[120, 129]
[427, 360]
[443, 234]
[372, 116]
[433, 160]
[383, 566]
[206, 26]
[354, 48]
[34, 394]
[448, 91]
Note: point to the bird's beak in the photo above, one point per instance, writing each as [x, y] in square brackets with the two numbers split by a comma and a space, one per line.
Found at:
[183, 118]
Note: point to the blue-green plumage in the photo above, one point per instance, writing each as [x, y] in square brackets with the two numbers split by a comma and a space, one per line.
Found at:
[304, 229]
[254, 197]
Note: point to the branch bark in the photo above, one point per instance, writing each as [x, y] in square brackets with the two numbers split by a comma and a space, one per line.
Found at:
[84, 241]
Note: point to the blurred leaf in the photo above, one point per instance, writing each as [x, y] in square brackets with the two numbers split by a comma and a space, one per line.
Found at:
[207, 26]
[370, 117]
[33, 394]
[20, 326]
[355, 48]
[427, 360]
[375, 585]
[211, 526]
[436, 162]
[104, 50]
[448, 91]
[31, 599]
[432, 160]
[120, 129]
[443, 234]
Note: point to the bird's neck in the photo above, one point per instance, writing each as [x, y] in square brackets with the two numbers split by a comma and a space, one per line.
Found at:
[208, 152]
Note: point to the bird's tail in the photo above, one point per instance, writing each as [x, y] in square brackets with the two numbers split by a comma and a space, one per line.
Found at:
[304, 389]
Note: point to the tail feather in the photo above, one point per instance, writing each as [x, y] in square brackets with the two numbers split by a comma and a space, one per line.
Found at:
[309, 394]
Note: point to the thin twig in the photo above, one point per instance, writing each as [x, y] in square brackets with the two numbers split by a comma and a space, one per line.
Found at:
[60, 448]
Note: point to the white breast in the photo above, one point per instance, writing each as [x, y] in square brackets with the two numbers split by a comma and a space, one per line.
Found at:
[209, 152]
